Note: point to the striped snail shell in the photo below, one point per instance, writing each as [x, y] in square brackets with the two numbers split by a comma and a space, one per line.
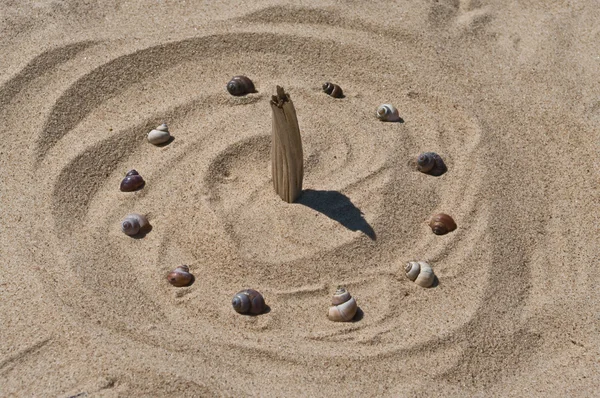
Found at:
[431, 163]
[159, 135]
[248, 301]
[442, 223]
[387, 113]
[132, 181]
[420, 272]
[333, 89]
[134, 223]
[240, 85]
[344, 306]
[180, 276]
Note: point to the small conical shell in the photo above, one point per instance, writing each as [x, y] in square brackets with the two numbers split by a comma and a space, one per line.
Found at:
[180, 276]
[159, 135]
[240, 85]
[425, 162]
[333, 89]
[132, 181]
[387, 113]
[441, 224]
[420, 273]
[344, 306]
[134, 223]
[248, 301]
[431, 163]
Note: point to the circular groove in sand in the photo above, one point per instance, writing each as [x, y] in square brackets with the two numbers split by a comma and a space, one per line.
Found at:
[182, 177]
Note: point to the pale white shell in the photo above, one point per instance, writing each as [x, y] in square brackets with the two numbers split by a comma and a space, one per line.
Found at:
[133, 223]
[159, 135]
[420, 272]
[387, 113]
[344, 306]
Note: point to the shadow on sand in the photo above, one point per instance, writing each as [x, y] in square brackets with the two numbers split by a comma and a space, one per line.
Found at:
[338, 207]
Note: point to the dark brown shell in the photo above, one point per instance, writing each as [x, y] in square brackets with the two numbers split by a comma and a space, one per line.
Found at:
[431, 163]
[248, 301]
[333, 89]
[180, 276]
[442, 223]
[132, 181]
[240, 85]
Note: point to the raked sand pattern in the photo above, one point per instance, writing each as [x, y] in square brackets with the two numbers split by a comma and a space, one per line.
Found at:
[506, 93]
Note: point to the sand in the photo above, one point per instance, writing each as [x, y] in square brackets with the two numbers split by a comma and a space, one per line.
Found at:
[506, 92]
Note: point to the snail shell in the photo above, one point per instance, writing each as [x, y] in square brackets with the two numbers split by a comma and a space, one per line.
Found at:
[180, 276]
[420, 272]
[344, 306]
[387, 113]
[134, 223]
[159, 135]
[441, 224]
[132, 181]
[333, 89]
[240, 85]
[248, 301]
[431, 163]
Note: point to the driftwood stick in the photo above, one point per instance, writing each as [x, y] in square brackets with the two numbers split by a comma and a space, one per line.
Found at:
[286, 148]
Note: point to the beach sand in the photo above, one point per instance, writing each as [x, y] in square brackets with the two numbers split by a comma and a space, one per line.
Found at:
[506, 92]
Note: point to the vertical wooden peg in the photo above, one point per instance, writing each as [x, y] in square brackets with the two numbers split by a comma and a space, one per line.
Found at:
[286, 148]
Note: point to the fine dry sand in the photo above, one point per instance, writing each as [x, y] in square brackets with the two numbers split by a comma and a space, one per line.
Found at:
[507, 92]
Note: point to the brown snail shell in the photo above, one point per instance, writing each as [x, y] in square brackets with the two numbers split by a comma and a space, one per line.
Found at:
[132, 181]
[420, 272]
[240, 85]
[180, 276]
[344, 306]
[431, 163]
[441, 224]
[333, 89]
[248, 301]
[134, 223]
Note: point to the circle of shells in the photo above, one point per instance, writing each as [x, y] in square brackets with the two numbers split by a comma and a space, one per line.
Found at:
[344, 307]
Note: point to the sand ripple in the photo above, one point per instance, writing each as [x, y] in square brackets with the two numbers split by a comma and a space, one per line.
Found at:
[210, 200]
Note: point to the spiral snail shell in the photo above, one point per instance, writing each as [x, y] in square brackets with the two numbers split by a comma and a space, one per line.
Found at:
[134, 223]
[387, 113]
[420, 272]
[442, 223]
[240, 85]
[180, 276]
[333, 89]
[344, 306]
[132, 181]
[248, 301]
[159, 135]
[431, 163]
